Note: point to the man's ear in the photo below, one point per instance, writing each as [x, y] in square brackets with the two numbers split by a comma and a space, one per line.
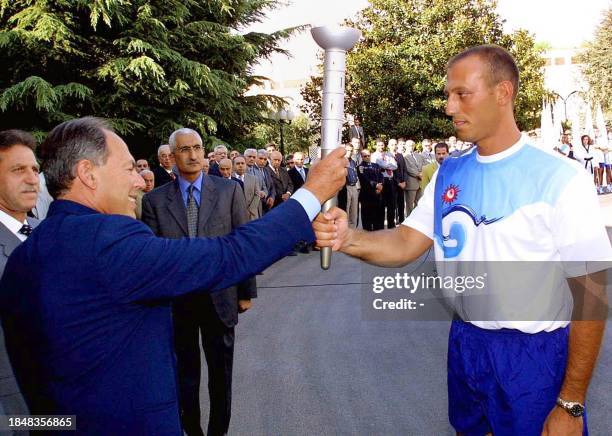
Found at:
[86, 173]
[505, 92]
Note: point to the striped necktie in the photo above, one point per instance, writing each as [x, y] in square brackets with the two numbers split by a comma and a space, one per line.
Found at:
[192, 213]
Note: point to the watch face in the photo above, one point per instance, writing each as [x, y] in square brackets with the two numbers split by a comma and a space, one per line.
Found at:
[576, 410]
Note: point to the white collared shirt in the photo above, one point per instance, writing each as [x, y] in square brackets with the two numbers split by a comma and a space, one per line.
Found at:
[13, 225]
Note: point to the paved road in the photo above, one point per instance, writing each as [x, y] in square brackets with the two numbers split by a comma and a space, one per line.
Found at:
[306, 363]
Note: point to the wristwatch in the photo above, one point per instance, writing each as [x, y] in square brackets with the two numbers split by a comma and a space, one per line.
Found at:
[575, 409]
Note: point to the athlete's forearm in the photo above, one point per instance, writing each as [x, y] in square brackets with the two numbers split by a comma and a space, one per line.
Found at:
[388, 248]
[584, 344]
[586, 334]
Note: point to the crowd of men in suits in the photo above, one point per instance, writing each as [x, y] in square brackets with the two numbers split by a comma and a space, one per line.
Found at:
[385, 185]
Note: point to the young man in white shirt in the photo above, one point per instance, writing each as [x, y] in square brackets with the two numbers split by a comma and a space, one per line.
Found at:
[505, 376]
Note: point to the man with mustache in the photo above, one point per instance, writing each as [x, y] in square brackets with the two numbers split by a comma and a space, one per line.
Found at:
[19, 187]
[214, 207]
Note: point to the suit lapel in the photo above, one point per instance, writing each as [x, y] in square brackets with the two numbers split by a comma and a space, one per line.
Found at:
[8, 240]
[208, 200]
[177, 207]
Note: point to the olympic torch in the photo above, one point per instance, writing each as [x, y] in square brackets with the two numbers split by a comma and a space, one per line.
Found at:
[336, 41]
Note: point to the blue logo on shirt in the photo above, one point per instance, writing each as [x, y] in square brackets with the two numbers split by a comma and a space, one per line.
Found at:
[453, 243]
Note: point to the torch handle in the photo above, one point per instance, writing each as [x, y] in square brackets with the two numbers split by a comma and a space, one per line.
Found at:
[326, 252]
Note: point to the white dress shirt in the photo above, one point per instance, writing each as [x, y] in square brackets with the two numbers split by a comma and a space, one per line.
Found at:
[13, 225]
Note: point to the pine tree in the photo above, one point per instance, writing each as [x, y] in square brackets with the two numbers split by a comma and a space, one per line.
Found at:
[149, 66]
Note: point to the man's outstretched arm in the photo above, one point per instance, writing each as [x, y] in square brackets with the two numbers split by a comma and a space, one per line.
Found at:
[585, 338]
[388, 248]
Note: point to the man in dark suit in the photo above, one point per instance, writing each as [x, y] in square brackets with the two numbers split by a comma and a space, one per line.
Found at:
[298, 175]
[163, 173]
[399, 176]
[299, 172]
[219, 208]
[356, 131]
[85, 300]
[283, 186]
[370, 195]
[18, 194]
[220, 153]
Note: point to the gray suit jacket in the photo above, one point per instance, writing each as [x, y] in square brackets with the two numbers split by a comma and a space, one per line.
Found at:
[11, 400]
[414, 165]
[222, 209]
[251, 187]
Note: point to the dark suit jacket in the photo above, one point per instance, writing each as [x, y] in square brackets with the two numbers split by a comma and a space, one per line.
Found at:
[213, 170]
[296, 178]
[222, 209]
[11, 400]
[282, 184]
[161, 176]
[85, 305]
[401, 173]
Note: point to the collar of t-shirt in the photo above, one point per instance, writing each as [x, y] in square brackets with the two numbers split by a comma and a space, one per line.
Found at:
[502, 154]
[12, 224]
[184, 187]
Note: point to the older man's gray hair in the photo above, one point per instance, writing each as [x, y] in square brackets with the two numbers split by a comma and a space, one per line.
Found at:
[145, 172]
[262, 152]
[69, 143]
[220, 147]
[250, 151]
[162, 148]
[183, 131]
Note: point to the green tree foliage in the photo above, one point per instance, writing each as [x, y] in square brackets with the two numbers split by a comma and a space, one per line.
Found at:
[396, 73]
[298, 136]
[597, 59]
[149, 66]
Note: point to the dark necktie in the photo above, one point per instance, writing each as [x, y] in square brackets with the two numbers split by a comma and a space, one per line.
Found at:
[192, 213]
[26, 230]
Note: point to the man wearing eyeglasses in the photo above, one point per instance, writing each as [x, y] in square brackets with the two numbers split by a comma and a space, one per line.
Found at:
[370, 196]
[197, 205]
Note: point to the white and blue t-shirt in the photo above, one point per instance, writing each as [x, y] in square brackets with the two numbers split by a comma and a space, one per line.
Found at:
[523, 204]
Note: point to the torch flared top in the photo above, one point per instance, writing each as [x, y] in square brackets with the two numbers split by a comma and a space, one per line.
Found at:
[335, 37]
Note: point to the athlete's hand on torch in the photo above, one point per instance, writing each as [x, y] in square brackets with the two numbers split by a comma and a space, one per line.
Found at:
[331, 229]
[327, 176]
